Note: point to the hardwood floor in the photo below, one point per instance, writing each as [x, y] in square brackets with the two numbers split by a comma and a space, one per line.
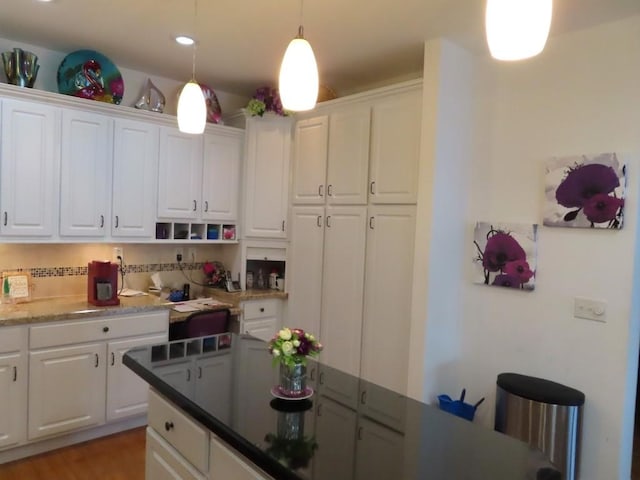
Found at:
[116, 457]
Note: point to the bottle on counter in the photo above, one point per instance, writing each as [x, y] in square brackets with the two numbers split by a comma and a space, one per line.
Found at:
[260, 279]
[273, 276]
[249, 280]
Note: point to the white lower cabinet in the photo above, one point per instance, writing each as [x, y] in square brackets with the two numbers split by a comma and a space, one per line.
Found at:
[379, 451]
[178, 448]
[66, 389]
[126, 391]
[226, 464]
[76, 376]
[163, 462]
[13, 386]
[261, 318]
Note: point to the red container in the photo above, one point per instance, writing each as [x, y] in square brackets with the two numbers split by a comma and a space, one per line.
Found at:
[102, 286]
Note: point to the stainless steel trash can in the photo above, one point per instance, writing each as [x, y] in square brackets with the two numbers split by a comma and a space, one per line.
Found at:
[545, 414]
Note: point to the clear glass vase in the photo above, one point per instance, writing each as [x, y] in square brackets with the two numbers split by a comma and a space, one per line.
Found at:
[293, 381]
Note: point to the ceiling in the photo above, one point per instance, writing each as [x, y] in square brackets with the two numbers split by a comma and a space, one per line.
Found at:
[358, 43]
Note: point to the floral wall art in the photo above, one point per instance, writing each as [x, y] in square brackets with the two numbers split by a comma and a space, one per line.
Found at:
[505, 255]
[585, 191]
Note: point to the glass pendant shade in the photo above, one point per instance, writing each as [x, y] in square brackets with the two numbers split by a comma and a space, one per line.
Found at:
[298, 83]
[517, 29]
[192, 109]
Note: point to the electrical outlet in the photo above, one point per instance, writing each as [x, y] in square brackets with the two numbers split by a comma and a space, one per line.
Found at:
[590, 309]
[117, 252]
[191, 255]
[178, 254]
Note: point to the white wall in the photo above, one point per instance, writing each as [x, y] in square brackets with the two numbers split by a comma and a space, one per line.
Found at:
[581, 95]
[134, 80]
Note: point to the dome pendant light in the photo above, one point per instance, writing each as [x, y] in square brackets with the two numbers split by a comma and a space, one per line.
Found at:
[298, 83]
[192, 107]
[517, 29]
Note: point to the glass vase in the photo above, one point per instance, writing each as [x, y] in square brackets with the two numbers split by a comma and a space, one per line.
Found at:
[293, 380]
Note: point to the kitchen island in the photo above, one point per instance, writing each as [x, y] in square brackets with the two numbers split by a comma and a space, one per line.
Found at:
[214, 413]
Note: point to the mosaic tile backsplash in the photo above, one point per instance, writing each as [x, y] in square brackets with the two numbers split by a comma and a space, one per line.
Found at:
[40, 272]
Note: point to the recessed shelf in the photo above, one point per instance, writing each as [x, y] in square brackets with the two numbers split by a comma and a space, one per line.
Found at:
[173, 232]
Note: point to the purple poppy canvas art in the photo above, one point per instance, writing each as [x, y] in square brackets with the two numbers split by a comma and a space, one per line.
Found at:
[505, 254]
[585, 191]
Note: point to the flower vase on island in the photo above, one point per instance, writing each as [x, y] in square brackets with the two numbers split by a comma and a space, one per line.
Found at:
[290, 349]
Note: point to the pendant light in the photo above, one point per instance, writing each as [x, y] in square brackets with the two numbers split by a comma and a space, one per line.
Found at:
[298, 84]
[517, 29]
[192, 107]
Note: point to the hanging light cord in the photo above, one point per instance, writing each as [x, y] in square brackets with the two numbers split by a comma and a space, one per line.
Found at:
[195, 40]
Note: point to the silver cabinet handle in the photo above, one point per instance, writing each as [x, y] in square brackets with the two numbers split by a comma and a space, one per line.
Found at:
[195, 205]
[328, 222]
[371, 224]
[321, 378]
[319, 409]
[113, 359]
[363, 397]
[359, 433]
[97, 360]
[15, 373]
[372, 188]
[319, 221]
[206, 205]
[199, 372]
[330, 190]
[117, 221]
[101, 221]
[320, 190]
[188, 374]
[5, 219]
[283, 225]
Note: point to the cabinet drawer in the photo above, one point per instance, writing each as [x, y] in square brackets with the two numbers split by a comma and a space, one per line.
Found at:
[186, 436]
[101, 328]
[226, 464]
[11, 339]
[260, 308]
[163, 460]
[266, 253]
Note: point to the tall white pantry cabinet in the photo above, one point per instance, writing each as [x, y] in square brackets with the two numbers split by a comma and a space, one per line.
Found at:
[353, 198]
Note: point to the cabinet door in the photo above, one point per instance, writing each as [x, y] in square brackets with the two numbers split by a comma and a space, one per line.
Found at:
[178, 375]
[29, 169]
[304, 268]
[310, 161]
[267, 177]
[180, 174]
[163, 462]
[221, 177]
[213, 385]
[66, 389]
[389, 274]
[395, 148]
[379, 452]
[13, 399]
[348, 158]
[85, 173]
[342, 287]
[227, 464]
[135, 179]
[334, 458]
[126, 392]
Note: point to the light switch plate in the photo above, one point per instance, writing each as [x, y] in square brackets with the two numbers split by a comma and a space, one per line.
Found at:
[590, 309]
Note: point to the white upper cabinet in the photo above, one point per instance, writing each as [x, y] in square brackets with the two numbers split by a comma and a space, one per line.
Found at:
[221, 176]
[135, 175]
[180, 174]
[395, 147]
[310, 161]
[267, 177]
[348, 156]
[29, 169]
[85, 173]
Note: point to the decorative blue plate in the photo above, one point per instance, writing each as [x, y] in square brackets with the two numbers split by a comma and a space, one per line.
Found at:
[89, 74]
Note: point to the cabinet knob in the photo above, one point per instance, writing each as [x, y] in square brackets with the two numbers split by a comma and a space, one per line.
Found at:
[105, 329]
[168, 426]
[261, 309]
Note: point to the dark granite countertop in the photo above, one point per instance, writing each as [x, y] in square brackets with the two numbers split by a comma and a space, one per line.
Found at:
[347, 429]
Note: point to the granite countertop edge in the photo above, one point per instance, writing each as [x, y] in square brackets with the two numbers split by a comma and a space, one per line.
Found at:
[76, 307]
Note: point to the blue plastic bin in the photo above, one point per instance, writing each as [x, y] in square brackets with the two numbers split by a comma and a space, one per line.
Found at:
[458, 407]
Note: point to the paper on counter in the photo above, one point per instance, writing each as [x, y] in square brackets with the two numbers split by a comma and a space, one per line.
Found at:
[128, 292]
[184, 307]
